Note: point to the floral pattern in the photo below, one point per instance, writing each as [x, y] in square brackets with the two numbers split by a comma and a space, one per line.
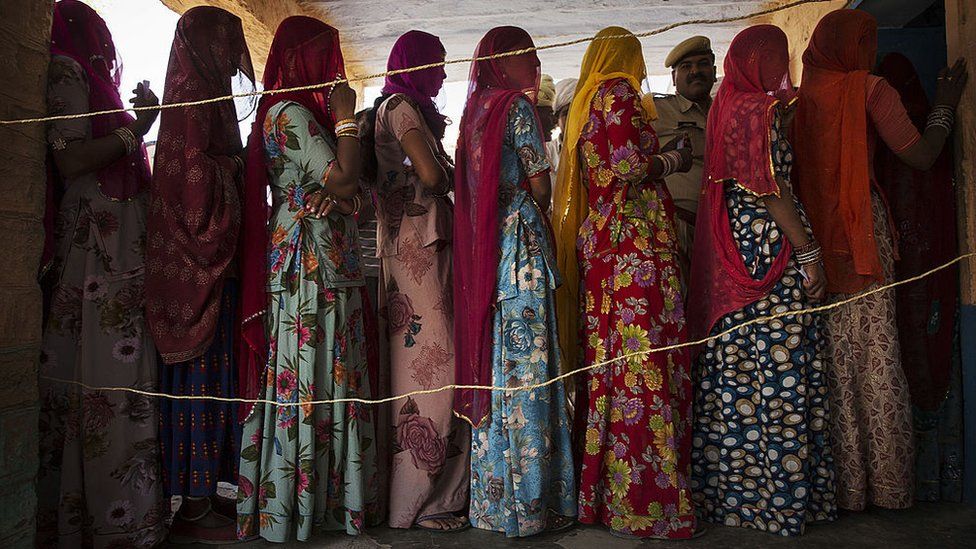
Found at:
[429, 474]
[636, 418]
[521, 463]
[96, 334]
[306, 467]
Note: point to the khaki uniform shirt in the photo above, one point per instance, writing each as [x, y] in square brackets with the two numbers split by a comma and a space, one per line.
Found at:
[679, 115]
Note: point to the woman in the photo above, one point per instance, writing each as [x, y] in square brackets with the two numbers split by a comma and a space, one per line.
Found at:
[505, 321]
[98, 484]
[615, 222]
[761, 404]
[430, 471]
[304, 467]
[926, 309]
[870, 414]
[191, 286]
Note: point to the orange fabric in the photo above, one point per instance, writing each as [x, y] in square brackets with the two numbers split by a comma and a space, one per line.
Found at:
[832, 171]
[889, 117]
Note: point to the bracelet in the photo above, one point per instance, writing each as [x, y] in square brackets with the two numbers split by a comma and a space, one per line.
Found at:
[128, 138]
[346, 126]
[346, 121]
[671, 162]
[809, 254]
[357, 204]
[943, 117]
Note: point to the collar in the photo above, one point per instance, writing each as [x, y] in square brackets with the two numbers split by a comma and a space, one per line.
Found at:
[686, 104]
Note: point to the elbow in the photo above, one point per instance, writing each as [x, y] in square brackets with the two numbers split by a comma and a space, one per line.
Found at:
[434, 180]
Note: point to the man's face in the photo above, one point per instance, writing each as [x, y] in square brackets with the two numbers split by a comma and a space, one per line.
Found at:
[694, 76]
[548, 120]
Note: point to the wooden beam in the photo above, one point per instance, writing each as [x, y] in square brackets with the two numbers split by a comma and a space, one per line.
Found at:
[961, 42]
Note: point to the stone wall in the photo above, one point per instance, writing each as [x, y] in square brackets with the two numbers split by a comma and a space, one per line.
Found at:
[25, 27]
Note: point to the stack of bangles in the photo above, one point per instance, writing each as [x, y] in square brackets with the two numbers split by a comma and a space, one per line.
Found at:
[671, 161]
[809, 253]
[943, 117]
[347, 127]
[128, 138]
[357, 203]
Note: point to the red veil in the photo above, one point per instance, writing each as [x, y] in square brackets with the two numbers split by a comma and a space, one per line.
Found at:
[494, 86]
[738, 148]
[194, 214]
[304, 51]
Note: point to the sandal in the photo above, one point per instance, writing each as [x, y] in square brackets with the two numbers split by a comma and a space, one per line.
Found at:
[442, 516]
[558, 523]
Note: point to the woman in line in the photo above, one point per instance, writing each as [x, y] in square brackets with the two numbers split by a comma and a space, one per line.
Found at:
[98, 484]
[430, 471]
[505, 321]
[870, 412]
[191, 279]
[761, 449]
[615, 221]
[304, 467]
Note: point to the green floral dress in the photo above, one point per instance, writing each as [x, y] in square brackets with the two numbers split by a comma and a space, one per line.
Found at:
[308, 467]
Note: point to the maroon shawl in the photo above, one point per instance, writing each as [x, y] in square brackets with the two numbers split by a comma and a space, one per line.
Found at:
[304, 51]
[194, 212]
[738, 148]
[921, 204]
[494, 87]
[417, 48]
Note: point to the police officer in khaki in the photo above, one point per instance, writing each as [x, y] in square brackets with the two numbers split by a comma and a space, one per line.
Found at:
[692, 65]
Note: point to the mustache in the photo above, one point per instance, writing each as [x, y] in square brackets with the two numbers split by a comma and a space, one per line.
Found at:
[698, 78]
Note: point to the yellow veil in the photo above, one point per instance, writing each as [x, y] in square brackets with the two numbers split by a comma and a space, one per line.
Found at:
[614, 53]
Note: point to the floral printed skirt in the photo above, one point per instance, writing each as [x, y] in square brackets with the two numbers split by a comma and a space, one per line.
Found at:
[303, 467]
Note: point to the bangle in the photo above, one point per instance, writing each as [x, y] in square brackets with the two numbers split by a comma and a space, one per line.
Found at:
[943, 117]
[128, 138]
[357, 204]
[671, 162]
[809, 253]
[346, 121]
[346, 126]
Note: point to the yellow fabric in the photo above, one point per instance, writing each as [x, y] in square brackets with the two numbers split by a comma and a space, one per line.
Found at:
[605, 59]
[547, 91]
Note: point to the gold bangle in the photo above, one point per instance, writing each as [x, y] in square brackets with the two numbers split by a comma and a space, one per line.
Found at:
[346, 121]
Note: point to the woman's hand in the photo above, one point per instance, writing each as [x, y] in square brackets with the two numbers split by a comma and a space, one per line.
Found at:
[815, 284]
[951, 83]
[319, 204]
[343, 102]
[144, 97]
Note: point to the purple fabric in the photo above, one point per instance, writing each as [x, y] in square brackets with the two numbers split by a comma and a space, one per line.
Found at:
[414, 49]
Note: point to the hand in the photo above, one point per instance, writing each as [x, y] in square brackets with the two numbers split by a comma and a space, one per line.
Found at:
[343, 102]
[319, 204]
[686, 158]
[815, 285]
[951, 83]
[144, 97]
[345, 207]
[679, 139]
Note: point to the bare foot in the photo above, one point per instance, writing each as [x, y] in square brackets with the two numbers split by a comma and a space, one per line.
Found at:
[445, 524]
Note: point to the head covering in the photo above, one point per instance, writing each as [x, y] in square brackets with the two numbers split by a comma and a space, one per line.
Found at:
[832, 176]
[194, 212]
[414, 49]
[738, 147]
[304, 51]
[547, 92]
[920, 201]
[79, 33]
[614, 53]
[565, 89]
[696, 45]
[495, 84]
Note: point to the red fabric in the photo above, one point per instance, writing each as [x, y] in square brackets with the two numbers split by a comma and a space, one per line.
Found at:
[921, 202]
[79, 33]
[738, 148]
[494, 86]
[832, 174]
[627, 263]
[194, 213]
[304, 51]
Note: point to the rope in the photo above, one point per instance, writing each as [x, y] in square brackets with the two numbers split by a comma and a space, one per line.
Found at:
[532, 387]
[660, 30]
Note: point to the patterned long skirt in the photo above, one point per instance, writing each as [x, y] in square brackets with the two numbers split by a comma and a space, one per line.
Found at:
[521, 455]
[635, 460]
[199, 440]
[871, 415]
[761, 453]
[431, 463]
[305, 468]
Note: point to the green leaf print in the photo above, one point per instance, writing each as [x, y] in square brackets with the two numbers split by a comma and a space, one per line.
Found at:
[292, 142]
[250, 454]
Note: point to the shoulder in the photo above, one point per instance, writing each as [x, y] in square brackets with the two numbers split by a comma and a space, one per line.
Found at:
[65, 70]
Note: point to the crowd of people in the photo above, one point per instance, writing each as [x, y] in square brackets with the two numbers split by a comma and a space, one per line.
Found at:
[649, 221]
